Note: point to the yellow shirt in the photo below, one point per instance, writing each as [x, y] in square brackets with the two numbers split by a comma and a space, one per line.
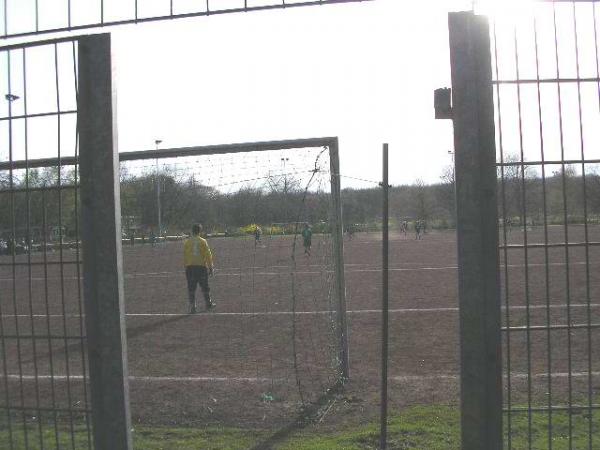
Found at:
[196, 252]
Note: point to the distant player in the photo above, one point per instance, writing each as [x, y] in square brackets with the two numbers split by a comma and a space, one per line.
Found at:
[350, 232]
[508, 222]
[257, 235]
[404, 227]
[307, 238]
[198, 262]
[418, 229]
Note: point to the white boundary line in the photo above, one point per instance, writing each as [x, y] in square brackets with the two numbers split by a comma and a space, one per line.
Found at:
[245, 272]
[151, 379]
[397, 378]
[306, 313]
[248, 271]
[517, 375]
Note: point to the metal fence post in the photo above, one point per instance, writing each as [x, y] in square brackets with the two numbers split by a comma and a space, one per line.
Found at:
[385, 300]
[101, 243]
[477, 232]
[338, 248]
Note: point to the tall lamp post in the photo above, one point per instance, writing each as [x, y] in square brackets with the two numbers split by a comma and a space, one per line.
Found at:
[10, 98]
[285, 180]
[157, 142]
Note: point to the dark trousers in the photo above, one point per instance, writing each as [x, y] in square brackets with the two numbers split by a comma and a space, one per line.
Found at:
[197, 275]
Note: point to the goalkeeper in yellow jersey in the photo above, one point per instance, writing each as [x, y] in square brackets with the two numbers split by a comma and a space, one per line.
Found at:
[198, 262]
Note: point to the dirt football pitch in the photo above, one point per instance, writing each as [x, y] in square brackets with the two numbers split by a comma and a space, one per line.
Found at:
[270, 344]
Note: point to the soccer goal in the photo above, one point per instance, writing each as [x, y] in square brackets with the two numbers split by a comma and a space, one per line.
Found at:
[279, 326]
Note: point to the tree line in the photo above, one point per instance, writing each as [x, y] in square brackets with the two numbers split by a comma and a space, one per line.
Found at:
[521, 192]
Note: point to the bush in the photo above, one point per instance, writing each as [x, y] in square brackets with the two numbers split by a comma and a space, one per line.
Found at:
[274, 230]
[321, 228]
[249, 229]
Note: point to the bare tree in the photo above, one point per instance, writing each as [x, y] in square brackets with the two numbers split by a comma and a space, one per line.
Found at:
[447, 194]
[421, 204]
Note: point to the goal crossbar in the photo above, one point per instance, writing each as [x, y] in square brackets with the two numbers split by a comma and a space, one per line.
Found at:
[202, 150]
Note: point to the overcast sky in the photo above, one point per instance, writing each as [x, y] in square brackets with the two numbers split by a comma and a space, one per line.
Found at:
[364, 72]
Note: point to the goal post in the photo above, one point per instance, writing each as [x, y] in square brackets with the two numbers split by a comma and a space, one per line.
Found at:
[272, 185]
[338, 245]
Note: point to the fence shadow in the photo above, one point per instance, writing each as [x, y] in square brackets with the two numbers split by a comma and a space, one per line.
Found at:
[310, 414]
[137, 331]
[130, 333]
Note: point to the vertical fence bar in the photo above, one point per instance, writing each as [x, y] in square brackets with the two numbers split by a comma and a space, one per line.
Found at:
[505, 255]
[59, 185]
[30, 295]
[53, 395]
[477, 232]
[101, 245]
[80, 306]
[548, 315]
[563, 141]
[523, 220]
[338, 248]
[588, 296]
[385, 302]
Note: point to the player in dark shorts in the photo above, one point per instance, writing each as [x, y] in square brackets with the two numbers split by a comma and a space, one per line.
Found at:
[350, 232]
[404, 227]
[307, 238]
[257, 235]
[198, 262]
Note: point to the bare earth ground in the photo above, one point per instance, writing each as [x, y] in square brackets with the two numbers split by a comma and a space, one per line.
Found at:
[236, 366]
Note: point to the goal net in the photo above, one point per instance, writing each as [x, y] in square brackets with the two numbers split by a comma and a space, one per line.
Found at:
[273, 343]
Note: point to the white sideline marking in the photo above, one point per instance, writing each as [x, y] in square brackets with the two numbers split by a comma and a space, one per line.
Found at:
[247, 272]
[398, 378]
[303, 313]
[148, 378]
[518, 375]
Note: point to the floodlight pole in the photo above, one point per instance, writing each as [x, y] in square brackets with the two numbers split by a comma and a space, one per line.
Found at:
[285, 180]
[157, 142]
